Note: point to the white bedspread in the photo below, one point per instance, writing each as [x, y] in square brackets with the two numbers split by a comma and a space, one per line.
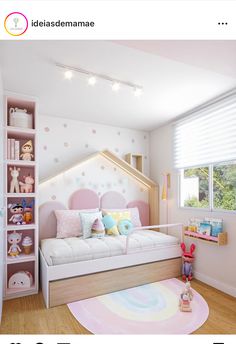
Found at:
[64, 251]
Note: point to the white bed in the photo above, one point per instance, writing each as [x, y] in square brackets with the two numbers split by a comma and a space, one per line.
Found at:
[74, 268]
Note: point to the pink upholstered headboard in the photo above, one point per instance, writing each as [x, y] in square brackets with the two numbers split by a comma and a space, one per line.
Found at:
[86, 199]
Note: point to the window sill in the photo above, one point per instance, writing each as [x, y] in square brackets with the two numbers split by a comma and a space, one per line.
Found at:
[232, 212]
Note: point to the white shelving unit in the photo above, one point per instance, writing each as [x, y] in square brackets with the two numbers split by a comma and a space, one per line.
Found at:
[24, 261]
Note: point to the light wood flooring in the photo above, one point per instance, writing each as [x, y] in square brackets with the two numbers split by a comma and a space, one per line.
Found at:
[28, 315]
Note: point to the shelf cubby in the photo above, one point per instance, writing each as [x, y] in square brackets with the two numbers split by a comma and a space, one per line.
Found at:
[19, 200]
[24, 171]
[23, 136]
[28, 105]
[27, 252]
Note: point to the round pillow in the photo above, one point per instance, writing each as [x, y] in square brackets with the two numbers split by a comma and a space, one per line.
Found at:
[125, 226]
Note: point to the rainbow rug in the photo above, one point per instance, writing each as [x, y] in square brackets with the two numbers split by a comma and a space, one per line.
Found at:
[148, 309]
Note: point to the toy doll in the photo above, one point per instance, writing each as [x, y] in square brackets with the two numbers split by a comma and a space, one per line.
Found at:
[16, 210]
[188, 258]
[27, 150]
[28, 211]
[14, 239]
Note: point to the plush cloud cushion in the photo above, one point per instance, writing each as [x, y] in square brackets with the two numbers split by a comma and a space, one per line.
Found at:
[134, 215]
[87, 220]
[68, 222]
[119, 215]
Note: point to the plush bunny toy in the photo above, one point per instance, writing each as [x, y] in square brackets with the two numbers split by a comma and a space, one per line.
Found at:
[188, 258]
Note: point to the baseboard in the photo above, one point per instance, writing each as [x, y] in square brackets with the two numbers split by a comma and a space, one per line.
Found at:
[216, 284]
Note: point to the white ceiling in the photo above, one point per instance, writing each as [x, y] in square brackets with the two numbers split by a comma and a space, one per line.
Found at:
[176, 76]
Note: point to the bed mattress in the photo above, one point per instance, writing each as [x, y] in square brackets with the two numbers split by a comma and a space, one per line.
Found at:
[71, 250]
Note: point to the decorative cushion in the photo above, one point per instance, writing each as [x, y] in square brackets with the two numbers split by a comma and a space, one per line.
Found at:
[119, 215]
[87, 220]
[98, 229]
[110, 225]
[68, 223]
[134, 214]
[125, 227]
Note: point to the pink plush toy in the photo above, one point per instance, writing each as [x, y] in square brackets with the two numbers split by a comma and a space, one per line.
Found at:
[27, 186]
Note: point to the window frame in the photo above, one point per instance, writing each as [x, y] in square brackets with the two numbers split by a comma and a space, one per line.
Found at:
[210, 188]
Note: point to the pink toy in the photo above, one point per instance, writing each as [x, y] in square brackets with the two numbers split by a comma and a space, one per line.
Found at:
[14, 239]
[14, 186]
[17, 211]
[27, 186]
[188, 258]
[27, 150]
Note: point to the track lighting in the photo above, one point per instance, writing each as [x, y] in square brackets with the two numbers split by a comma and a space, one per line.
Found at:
[92, 80]
[69, 73]
[115, 86]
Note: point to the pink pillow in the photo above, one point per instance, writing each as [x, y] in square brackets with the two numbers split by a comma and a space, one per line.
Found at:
[134, 212]
[68, 222]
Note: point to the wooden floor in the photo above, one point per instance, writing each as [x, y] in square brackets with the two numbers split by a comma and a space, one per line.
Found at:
[28, 315]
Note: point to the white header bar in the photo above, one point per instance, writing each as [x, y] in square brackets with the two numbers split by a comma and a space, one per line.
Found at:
[119, 19]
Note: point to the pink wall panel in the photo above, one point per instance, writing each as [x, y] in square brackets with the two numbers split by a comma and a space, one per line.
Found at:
[143, 208]
[112, 200]
[84, 199]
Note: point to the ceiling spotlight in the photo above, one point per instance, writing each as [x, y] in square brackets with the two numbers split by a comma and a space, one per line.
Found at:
[92, 80]
[138, 91]
[115, 86]
[68, 75]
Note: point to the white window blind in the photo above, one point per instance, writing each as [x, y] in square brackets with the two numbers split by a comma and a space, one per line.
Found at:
[208, 135]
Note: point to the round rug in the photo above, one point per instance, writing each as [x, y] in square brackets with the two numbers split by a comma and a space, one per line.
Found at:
[147, 309]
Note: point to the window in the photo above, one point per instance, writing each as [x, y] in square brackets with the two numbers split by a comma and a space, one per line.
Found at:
[195, 187]
[216, 190]
[224, 187]
[205, 153]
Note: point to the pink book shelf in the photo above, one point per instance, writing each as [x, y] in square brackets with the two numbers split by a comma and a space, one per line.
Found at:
[221, 239]
[21, 182]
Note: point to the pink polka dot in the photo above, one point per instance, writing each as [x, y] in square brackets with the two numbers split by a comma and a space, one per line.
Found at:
[45, 147]
[46, 129]
[66, 144]
[65, 125]
[83, 173]
[118, 133]
[56, 160]
[53, 197]
[94, 131]
[86, 146]
[102, 167]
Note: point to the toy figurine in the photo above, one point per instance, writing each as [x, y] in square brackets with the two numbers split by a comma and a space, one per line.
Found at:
[16, 210]
[28, 211]
[188, 258]
[14, 239]
[27, 150]
[188, 290]
[184, 303]
[27, 186]
[14, 185]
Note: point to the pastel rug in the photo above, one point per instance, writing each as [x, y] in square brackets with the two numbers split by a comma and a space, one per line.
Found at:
[148, 309]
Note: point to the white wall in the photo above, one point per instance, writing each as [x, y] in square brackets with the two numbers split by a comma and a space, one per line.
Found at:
[63, 142]
[1, 193]
[213, 265]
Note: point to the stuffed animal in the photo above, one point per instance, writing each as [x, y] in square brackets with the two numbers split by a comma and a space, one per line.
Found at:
[14, 239]
[27, 186]
[184, 303]
[188, 258]
[27, 150]
[14, 185]
[21, 279]
[28, 211]
[16, 209]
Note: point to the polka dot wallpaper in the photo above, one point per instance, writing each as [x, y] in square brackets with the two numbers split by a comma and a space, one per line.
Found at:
[64, 142]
